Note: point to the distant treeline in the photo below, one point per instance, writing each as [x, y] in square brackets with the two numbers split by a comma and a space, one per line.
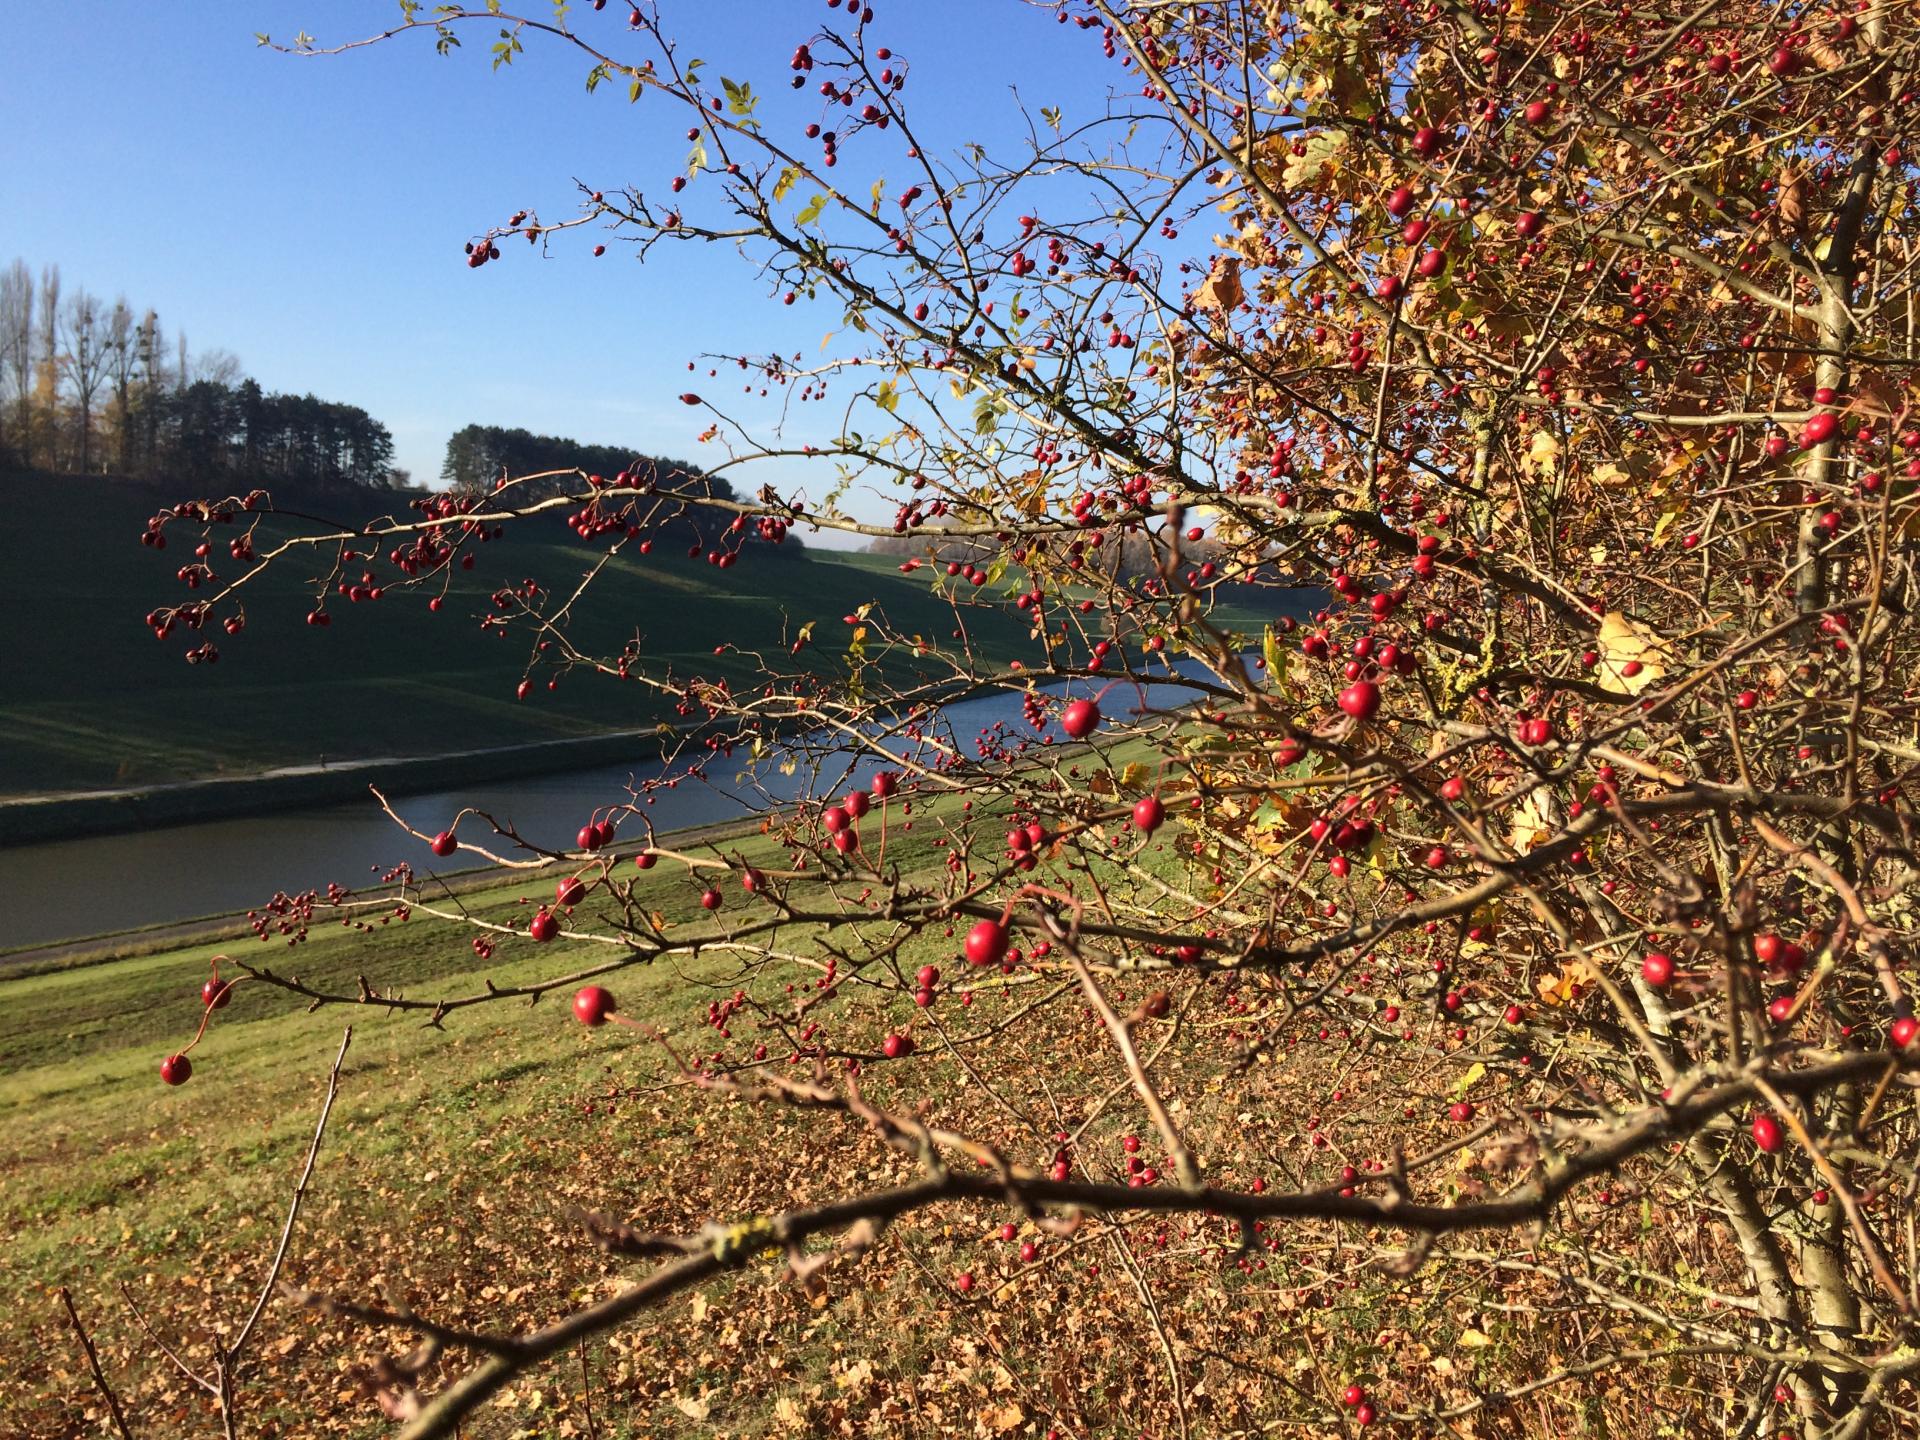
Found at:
[479, 456]
[88, 387]
[1128, 556]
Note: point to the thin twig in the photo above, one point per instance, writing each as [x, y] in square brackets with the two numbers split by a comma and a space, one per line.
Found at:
[93, 1364]
[231, 1359]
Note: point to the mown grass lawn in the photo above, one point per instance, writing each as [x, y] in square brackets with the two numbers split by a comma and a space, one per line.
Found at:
[391, 678]
[457, 1154]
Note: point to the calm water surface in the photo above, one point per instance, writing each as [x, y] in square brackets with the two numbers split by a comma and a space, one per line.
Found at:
[75, 888]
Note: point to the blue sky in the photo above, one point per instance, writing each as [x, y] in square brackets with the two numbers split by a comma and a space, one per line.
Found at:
[309, 214]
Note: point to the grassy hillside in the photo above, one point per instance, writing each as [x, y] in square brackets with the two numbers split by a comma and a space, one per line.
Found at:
[91, 699]
[455, 1153]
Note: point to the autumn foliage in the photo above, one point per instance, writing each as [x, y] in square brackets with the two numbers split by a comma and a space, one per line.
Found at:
[1533, 924]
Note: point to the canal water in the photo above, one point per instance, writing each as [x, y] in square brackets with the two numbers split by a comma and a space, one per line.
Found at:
[100, 885]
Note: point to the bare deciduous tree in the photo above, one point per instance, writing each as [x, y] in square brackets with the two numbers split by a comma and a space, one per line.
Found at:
[16, 355]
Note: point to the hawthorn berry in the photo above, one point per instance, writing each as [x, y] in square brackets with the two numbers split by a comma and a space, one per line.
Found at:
[986, 943]
[1080, 719]
[592, 1004]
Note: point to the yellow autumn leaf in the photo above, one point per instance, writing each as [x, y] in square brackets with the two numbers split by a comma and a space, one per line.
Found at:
[1543, 452]
[1004, 1418]
[1531, 823]
[1559, 989]
[1632, 657]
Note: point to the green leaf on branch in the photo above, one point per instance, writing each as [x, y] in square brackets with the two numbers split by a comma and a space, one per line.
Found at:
[1277, 657]
[740, 97]
[1269, 816]
[505, 48]
[785, 182]
[811, 214]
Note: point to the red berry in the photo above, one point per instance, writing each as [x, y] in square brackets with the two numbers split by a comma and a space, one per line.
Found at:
[592, 1004]
[1819, 429]
[570, 891]
[1354, 1396]
[176, 1069]
[1148, 813]
[215, 994]
[986, 943]
[1080, 719]
[709, 899]
[1766, 1133]
[444, 843]
[1360, 699]
[895, 1046]
[1657, 969]
[1902, 1031]
[543, 927]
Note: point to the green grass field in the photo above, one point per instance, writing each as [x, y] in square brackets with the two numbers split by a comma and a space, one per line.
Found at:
[457, 1154]
[93, 700]
[452, 1157]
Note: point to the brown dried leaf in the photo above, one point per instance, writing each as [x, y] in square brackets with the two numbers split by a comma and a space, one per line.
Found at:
[1221, 290]
[1824, 55]
[1793, 199]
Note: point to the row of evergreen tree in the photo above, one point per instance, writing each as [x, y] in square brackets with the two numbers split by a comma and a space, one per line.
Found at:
[88, 387]
[478, 456]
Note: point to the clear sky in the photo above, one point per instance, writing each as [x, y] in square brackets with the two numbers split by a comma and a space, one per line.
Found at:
[309, 214]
